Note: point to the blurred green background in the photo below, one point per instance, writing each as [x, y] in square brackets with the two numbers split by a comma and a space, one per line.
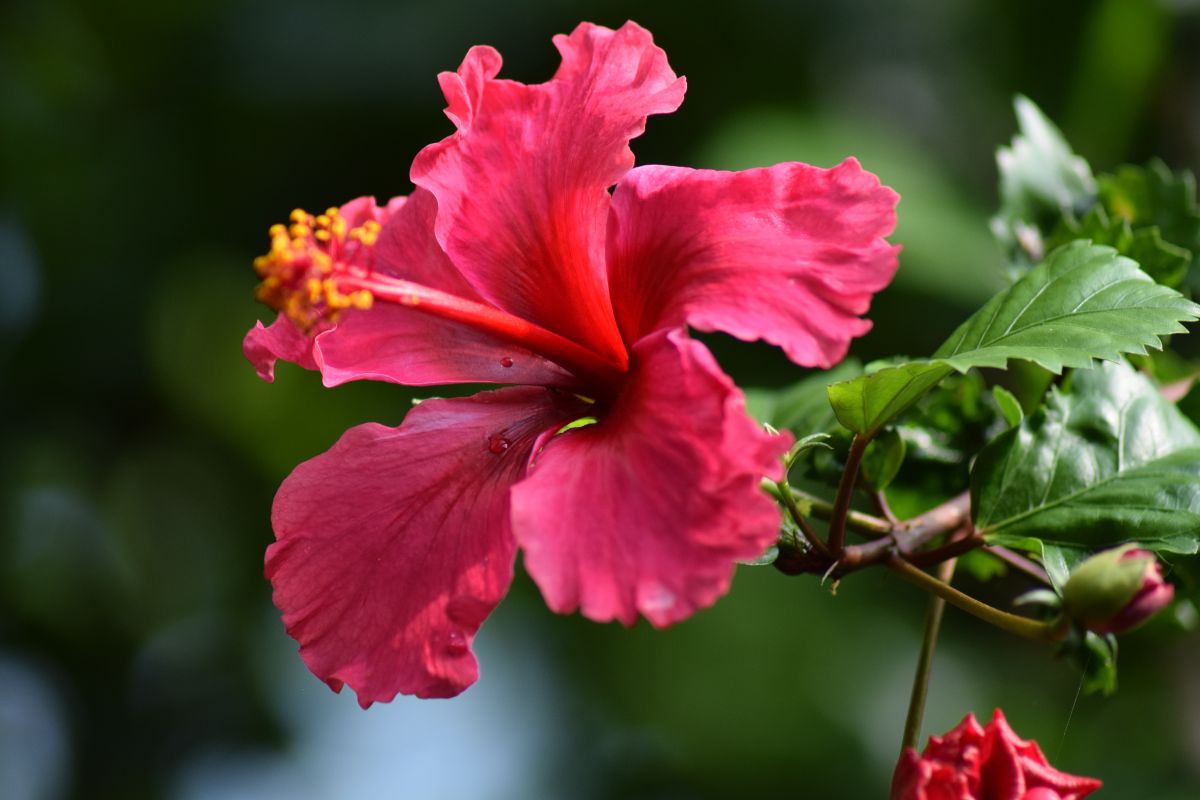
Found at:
[145, 147]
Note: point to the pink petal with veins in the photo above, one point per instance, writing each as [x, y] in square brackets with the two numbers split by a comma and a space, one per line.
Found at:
[400, 344]
[791, 254]
[522, 185]
[646, 511]
[281, 340]
[393, 546]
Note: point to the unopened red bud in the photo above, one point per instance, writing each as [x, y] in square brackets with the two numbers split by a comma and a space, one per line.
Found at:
[1116, 590]
[990, 761]
[1041, 794]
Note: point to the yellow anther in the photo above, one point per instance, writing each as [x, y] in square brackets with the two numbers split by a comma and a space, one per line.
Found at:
[333, 298]
[306, 263]
[368, 233]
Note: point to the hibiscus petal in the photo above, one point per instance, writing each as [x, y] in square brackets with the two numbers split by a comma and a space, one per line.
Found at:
[1035, 770]
[393, 546]
[647, 511]
[1001, 775]
[399, 345]
[395, 343]
[281, 340]
[911, 776]
[522, 185]
[791, 254]
[404, 345]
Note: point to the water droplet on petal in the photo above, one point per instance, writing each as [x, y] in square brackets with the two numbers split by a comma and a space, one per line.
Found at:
[498, 444]
[656, 597]
[506, 362]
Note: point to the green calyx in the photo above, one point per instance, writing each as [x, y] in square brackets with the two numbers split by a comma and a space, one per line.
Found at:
[1104, 584]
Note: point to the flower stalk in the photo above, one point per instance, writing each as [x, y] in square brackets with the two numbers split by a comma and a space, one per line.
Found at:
[920, 689]
[845, 493]
[1021, 626]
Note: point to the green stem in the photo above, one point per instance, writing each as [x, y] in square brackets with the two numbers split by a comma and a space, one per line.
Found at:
[920, 688]
[845, 493]
[784, 492]
[855, 520]
[870, 526]
[1021, 626]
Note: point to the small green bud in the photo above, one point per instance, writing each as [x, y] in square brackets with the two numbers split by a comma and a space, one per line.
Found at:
[1116, 590]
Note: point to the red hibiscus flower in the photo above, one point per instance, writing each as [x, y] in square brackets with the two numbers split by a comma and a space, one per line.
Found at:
[620, 459]
[984, 763]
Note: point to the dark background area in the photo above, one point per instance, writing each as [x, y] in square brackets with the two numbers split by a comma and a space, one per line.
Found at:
[145, 147]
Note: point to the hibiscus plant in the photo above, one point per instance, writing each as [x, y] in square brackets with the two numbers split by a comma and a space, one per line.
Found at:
[1050, 436]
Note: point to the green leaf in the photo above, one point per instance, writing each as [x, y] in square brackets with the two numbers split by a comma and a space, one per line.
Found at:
[883, 459]
[1154, 197]
[1098, 660]
[1039, 598]
[765, 560]
[1106, 461]
[1009, 406]
[803, 445]
[866, 404]
[801, 407]
[1084, 302]
[1041, 180]
[1029, 383]
[1059, 561]
[1163, 261]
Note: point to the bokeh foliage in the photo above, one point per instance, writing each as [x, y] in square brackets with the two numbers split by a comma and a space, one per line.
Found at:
[145, 148]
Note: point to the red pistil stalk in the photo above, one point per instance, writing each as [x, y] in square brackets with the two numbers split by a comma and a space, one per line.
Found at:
[582, 362]
[320, 267]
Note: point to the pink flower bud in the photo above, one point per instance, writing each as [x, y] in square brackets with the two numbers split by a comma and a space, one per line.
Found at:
[974, 762]
[1117, 590]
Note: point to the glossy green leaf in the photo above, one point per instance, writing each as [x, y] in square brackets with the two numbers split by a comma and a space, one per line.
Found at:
[1009, 406]
[883, 458]
[813, 441]
[1098, 660]
[1084, 302]
[1041, 180]
[1107, 460]
[1163, 261]
[1059, 561]
[1154, 198]
[765, 560]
